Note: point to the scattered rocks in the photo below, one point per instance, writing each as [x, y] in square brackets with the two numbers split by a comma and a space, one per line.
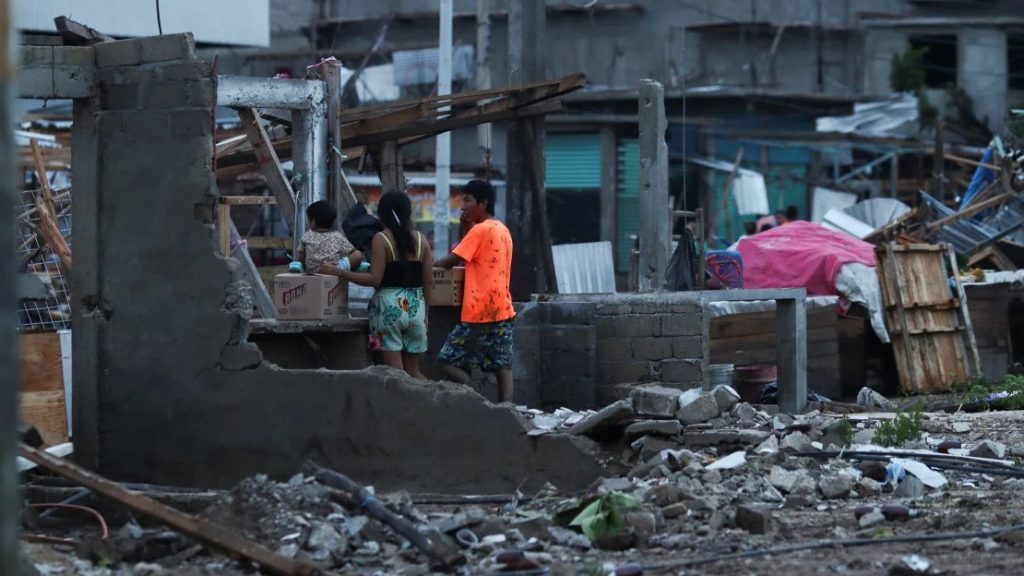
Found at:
[609, 419]
[1017, 450]
[665, 494]
[754, 518]
[769, 446]
[656, 401]
[872, 518]
[961, 427]
[796, 442]
[871, 399]
[726, 398]
[699, 410]
[724, 437]
[783, 479]
[660, 427]
[835, 485]
[989, 449]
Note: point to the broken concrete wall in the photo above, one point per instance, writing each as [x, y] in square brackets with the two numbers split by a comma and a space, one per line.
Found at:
[167, 388]
[584, 348]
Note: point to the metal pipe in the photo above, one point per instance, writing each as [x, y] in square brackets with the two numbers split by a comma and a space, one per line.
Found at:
[442, 189]
[250, 92]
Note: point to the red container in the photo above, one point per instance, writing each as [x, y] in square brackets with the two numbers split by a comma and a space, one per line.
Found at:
[750, 381]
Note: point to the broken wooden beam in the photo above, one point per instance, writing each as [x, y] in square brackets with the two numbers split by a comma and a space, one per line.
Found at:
[48, 227]
[196, 528]
[270, 164]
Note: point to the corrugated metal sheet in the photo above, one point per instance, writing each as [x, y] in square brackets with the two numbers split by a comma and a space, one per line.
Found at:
[969, 236]
[584, 268]
[232, 22]
[573, 161]
[627, 209]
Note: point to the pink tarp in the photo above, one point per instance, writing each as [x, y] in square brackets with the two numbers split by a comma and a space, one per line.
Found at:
[800, 254]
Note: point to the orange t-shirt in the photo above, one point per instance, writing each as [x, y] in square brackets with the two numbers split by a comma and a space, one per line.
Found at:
[487, 250]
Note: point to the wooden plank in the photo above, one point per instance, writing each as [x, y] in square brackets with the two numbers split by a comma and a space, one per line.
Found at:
[904, 347]
[965, 312]
[48, 228]
[198, 529]
[268, 242]
[41, 398]
[756, 323]
[270, 165]
[224, 229]
[969, 211]
[247, 200]
[77, 34]
[389, 167]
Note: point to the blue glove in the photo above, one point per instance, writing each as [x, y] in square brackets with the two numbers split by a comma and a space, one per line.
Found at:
[364, 266]
[295, 267]
[345, 263]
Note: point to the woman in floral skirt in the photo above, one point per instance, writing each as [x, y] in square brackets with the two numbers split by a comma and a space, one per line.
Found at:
[400, 270]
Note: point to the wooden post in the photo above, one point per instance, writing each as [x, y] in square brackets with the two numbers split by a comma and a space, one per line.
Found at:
[726, 220]
[270, 165]
[655, 235]
[534, 156]
[46, 208]
[224, 229]
[526, 64]
[389, 165]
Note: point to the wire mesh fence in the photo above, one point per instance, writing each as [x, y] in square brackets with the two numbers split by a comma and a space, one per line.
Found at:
[35, 257]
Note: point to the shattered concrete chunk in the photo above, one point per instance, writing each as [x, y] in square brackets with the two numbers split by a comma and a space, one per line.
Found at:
[783, 479]
[732, 461]
[795, 442]
[656, 401]
[702, 409]
[769, 446]
[664, 495]
[674, 510]
[835, 485]
[620, 484]
[961, 427]
[910, 487]
[871, 399]
[726, 397]
[866, 436]
[989, 449]
[325, 542]
[610, 418]
[782, 421]
[754, 518]
[870, 519]
[724, 437]
[455, 522]
[566, 537]
[1017, 450]
[643, 523]
[745, 412]
[662, 427]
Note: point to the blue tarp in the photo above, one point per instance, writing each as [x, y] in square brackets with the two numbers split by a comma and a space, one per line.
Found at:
[982, 178]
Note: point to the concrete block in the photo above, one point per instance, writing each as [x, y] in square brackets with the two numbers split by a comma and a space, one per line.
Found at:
[168, 47]
[609, 419]
[687, 308]
[119, 96]
[614, 350]
[110, 124]
[726, 398]
[146, 122]
[681, 325]
[651, 349]
[37, 56]
[193, 70]
[560, 364]
[754, 518]
[697, 411]
[681, 371]
[560, 313]
[75, 56]
[119, 53]
[687, 347]
[637, 326]
[657, 401]
[569, 338]
[201, 93]
[35, 83]
[606, 326]
[611, 309]
[164, 95]
[632, 371]
[196, 122]
[656, 427]
[74, 81]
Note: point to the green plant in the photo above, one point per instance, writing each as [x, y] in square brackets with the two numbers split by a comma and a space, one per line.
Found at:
[905, 427]
[981, 389]
[602, 516]
[845, 430]
[907, 72]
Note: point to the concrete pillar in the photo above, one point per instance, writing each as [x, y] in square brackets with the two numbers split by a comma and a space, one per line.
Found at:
[9, 504]
[791, 353]
[526, 64]
[983, 72]
[655, 241]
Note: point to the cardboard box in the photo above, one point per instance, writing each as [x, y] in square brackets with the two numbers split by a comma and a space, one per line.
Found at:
[310, 297]
[448, 287]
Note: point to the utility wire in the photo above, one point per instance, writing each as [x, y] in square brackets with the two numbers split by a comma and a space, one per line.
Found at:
[159, 24]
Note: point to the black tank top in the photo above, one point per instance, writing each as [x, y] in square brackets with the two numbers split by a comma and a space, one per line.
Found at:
[403, 273]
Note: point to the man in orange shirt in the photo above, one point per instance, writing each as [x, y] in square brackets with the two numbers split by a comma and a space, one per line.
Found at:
[484, 337]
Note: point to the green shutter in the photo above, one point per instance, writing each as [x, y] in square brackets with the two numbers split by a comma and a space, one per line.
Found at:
[573, 161]
[627, 202]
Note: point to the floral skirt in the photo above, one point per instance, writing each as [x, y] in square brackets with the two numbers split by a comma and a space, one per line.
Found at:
[398, 320]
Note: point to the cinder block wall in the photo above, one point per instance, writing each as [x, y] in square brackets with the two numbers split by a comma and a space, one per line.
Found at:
[579, 351]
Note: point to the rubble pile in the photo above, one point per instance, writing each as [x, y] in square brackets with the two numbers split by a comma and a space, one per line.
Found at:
[692, 474]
